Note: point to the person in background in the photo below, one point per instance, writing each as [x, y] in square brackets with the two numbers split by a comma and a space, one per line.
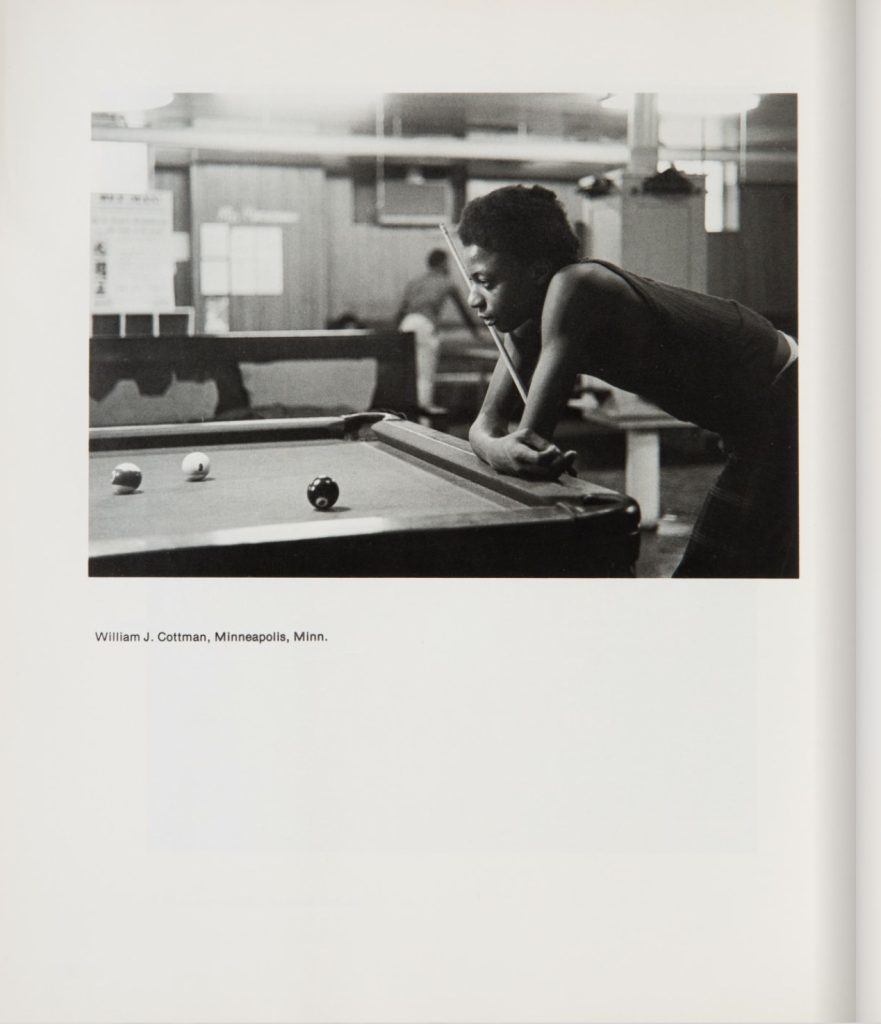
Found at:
[419, 313]
[705, 360]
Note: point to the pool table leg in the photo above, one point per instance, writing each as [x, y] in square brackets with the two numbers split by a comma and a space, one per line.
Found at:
[642, 474]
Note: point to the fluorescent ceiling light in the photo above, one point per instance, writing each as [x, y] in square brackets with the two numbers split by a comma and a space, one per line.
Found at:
[699, 104]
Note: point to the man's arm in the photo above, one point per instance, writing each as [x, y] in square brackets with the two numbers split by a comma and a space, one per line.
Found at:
[522, 452]
[560, 358]
[404, 307]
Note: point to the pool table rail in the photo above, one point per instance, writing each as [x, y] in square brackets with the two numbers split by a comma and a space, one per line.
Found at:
[455, 454]
[181, 435]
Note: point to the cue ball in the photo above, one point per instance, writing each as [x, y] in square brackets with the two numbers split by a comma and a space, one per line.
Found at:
[323, 492]
[126, 478]
[196, 465]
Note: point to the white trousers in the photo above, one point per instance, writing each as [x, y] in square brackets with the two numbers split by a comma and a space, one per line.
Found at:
[427, 353]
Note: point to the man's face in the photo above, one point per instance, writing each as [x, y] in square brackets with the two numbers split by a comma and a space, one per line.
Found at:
[504, 291]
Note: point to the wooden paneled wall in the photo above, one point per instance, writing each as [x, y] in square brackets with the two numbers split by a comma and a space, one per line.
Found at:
[368, 264]
[219, 191]
[176, 180]
[758, 265]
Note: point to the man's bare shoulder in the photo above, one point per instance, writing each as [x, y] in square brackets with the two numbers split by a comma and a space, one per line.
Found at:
[589, 289]
[595, 278]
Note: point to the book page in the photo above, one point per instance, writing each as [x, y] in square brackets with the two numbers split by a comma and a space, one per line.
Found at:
[481, 800]
[869, 563]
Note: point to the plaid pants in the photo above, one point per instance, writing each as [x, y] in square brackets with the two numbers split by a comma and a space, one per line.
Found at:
[748, 525]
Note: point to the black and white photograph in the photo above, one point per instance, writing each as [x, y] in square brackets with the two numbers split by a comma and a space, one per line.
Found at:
[561, 327]
[441, 550]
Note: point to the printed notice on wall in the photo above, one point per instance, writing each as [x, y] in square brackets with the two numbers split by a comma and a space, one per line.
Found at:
[256, 260]
[132, 252]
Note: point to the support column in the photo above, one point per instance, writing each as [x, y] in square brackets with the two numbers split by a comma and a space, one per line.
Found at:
[642, 134]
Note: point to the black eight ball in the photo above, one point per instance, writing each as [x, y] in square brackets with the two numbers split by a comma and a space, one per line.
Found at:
[323, 492]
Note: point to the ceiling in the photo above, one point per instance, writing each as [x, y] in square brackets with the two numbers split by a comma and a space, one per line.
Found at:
[542, 134]
[559, 115]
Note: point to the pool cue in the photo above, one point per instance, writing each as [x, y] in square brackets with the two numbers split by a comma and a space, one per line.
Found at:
[499, 344]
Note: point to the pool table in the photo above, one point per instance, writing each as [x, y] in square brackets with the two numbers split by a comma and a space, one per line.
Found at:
[413, 502]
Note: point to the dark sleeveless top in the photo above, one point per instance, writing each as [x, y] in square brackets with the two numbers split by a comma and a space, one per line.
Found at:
[709, 360]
